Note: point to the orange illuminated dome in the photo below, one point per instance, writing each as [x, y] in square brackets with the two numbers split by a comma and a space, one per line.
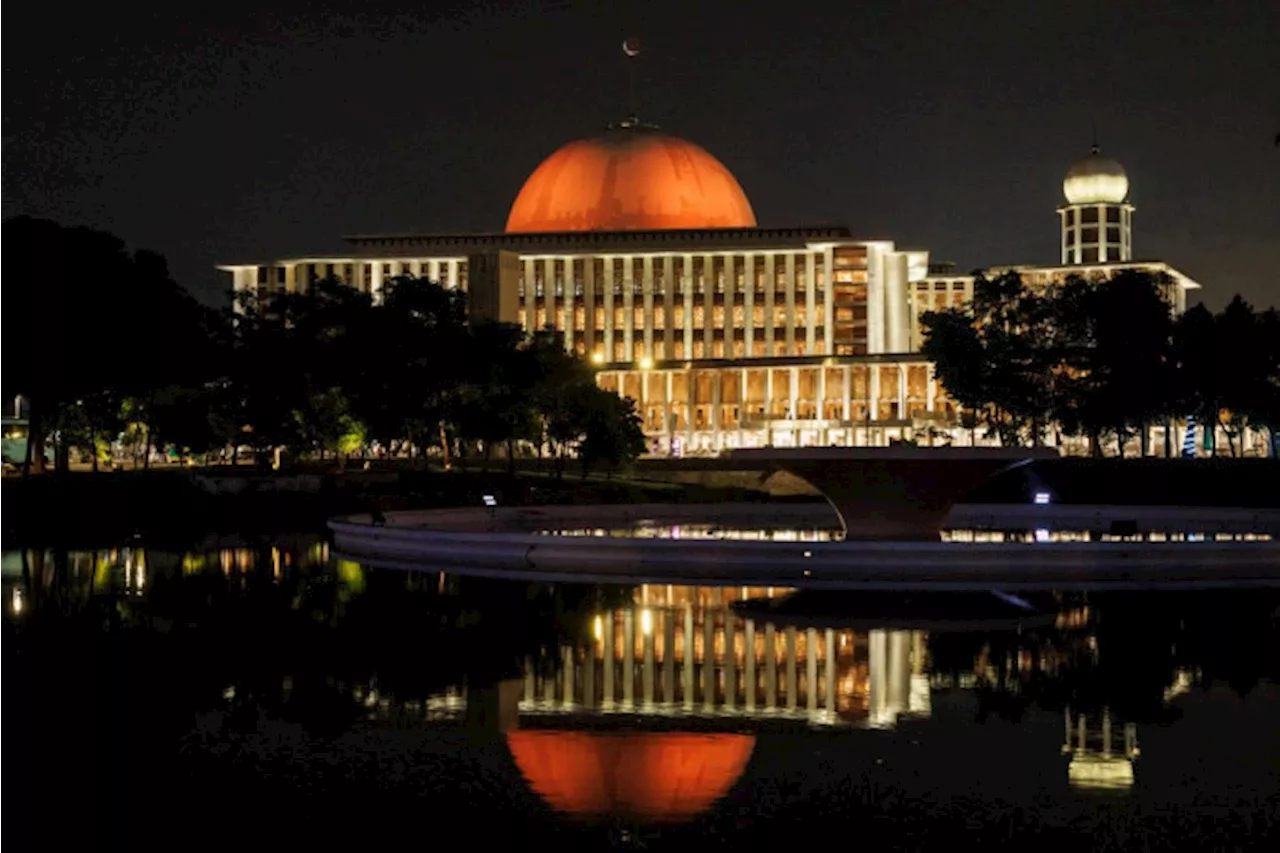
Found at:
[631, 178]
[658, 776]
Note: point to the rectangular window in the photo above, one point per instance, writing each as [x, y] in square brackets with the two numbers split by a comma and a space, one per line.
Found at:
[1089, 214]
[699, 317]
[677, 316]
[1089, 234]
[1089, 256]
[699, 349]
[1113, 214]
[262, 275]
[717, 316]
[1113, 235]
[739, 316]
[758, 349]
[1071, 218]
[579, 318]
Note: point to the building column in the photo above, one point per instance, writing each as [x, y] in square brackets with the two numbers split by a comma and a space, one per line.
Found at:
[811, 669]
[589, 676]
[668, 654]
[821, 402]
[691, 406]
[748, 303]
[792, 686]
[570, 286]
[647, 629]
[830, 671]
[930, 388]
[589, 306]
[568, 661]
[668, 408]
[770, 278]
[688, 656]
[791, 303]
[530, 296]
[607, 287]
[717, 377]
[375, 282]
[629, 657]
[770, 667]
[668, 306]
[549, 290]
[810, 306]
[708, 306]
[647, 284]
[609, 664]
[730, 662]
[902, 392]
[847, 394]
[873, 394]
[686, 285]
[708, 659]
[749, 664]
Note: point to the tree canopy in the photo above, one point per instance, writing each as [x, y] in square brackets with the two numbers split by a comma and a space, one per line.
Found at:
[104, 345]
[1103, 359]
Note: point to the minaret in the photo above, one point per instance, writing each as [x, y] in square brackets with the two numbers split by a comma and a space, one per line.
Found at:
[1097, 220]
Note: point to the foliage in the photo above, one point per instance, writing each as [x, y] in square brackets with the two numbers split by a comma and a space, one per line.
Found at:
[1103, 359]
[121, 353]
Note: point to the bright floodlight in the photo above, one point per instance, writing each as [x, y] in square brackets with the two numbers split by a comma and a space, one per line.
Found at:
[490, 500]
[597, 358]
[1042, 497]
[646, 363]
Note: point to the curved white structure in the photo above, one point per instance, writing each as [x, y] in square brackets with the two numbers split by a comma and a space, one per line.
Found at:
[505, 542]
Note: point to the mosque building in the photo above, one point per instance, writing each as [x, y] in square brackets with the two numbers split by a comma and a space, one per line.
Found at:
[643, 250]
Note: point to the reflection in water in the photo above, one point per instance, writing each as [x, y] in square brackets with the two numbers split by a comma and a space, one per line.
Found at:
[656, 776]
[712, 702]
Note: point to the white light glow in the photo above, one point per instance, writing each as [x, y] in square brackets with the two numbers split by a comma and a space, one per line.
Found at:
[646, 622]
[1043, 498]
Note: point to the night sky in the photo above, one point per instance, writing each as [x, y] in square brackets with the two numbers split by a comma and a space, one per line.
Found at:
[243, 135]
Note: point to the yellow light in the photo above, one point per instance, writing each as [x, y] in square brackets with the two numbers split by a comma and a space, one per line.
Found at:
[17, 600]
[646, 621]
[598, 628]
[597, 357]
[646, 363]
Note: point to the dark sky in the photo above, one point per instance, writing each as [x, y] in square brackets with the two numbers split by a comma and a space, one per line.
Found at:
[237, 134]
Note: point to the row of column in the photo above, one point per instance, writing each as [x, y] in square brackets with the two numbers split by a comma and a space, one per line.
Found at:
[615, 679]
[844, 397]
[804, 313]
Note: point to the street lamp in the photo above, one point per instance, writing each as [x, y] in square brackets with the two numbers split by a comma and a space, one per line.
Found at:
[597, 358]
[646, 363]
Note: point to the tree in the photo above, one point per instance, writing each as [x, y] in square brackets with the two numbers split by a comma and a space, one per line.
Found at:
[1118, 356]
[997, 356]
[612, 436]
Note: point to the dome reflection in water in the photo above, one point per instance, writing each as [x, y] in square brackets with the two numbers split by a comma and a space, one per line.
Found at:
[663, 777]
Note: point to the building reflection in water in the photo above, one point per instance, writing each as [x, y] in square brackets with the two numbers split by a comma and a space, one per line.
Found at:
[681, 651]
